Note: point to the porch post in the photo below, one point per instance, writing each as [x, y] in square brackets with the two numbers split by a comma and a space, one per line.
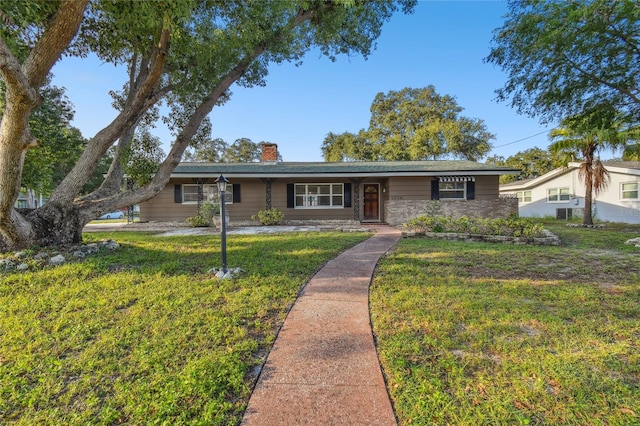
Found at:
[356, 197]
[200, 183]
[268, 182]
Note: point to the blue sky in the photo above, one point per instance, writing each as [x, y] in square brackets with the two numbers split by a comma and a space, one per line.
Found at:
[442, 44]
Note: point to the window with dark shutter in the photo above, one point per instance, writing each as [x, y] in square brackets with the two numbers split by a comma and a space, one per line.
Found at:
[435, 189]
[236, 192]
[347, 195]
[471, 190]
[291, 196]
[177, 193]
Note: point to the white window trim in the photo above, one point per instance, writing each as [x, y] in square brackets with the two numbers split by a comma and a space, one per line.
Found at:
[522, 199]
[559, 201]
[330, 195]
[464, 192]
[228, 199]
[623, 191]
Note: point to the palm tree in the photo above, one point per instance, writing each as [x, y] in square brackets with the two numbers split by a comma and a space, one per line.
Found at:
[574, 138]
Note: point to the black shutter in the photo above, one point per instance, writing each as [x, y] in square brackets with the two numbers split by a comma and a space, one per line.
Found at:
[435, 189]
[471, 190]
[236, 192]
[347, 195]
[177, 193]
[291, 196]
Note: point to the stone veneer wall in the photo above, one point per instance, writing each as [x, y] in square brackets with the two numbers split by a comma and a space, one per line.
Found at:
[398, 212]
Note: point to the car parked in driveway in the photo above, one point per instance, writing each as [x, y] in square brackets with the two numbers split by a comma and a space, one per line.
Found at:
[113, 215]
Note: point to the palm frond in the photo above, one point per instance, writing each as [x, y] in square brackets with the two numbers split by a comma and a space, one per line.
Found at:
[600, 176]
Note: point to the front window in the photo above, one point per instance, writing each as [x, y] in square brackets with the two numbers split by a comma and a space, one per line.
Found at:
[319, 195]
[629, 191]
[558, 194]
[523, 196]
[452, 190]
[209, 194]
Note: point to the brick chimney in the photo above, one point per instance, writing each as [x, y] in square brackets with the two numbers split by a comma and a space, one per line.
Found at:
[269, 152]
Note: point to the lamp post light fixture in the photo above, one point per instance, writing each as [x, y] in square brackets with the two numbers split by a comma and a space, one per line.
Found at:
[222, 188]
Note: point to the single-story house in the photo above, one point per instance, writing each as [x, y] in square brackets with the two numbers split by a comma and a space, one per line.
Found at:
[560, 194]
[373, 192]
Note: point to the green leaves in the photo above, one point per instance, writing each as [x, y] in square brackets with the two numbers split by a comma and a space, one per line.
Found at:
[412, 124]
[565, 57]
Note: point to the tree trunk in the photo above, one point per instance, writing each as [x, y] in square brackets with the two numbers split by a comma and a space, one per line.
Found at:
[61, 220]
[587, 219]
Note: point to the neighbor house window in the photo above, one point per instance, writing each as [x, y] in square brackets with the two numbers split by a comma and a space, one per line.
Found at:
[629, 191]
[319, 195]
[558, 194]
[452, 190]
[523, 196]
[209, 194]
[22, 204]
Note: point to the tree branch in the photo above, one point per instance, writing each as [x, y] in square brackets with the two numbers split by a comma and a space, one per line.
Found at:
[55, 40]
[600, 80]
[75, 179]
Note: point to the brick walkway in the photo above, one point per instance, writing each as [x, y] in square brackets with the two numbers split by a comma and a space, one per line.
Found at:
[323, 368]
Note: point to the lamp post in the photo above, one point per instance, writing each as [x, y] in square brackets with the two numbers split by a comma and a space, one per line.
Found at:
[222, 188]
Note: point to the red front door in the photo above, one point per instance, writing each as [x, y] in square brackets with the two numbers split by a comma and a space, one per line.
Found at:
[371, 201]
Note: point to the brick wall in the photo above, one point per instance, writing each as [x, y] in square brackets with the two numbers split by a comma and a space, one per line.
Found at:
[398, 212]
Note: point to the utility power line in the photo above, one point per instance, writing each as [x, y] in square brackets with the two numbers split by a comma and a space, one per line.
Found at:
[520, 140]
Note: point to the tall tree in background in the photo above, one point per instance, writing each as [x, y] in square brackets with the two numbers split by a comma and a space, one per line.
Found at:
[347, 147]
[242, 150]
[60, 145]
[566, 57]
[532, 162]
[412, 124]
[208, 151]
[186, 53]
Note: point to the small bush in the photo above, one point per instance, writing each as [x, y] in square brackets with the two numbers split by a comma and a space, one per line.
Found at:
[197, 221]
[267, 217]
[208, 211]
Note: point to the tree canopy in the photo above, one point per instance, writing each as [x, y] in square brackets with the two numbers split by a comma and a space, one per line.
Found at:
[412, 124]
[217, 150]
[532, 162]
[564, 58]
[185, 53]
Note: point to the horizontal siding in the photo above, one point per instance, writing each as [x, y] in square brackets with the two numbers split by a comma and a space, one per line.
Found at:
[161, 208]
[487, 187]
[410, 188]
[253, 198]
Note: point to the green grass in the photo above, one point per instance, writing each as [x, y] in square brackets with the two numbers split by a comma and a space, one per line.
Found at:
[476, 333]
[144, 335]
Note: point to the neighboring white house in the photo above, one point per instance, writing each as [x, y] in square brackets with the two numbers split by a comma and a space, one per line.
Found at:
[560, 193]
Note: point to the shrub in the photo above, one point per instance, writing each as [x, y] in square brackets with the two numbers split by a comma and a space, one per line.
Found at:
[271, 216]
[512, 227]
[197, 221]
[209, 210]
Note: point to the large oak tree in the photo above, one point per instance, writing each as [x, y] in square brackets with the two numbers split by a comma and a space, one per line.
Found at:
[187, 53]
[566, 57]
[412, 124]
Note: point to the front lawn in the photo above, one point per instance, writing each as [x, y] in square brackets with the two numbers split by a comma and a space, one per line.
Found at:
[477, 333]
[144, 335]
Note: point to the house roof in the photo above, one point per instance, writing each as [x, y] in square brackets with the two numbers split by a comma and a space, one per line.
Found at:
[622, 164]
[615, 166]
[340, 169]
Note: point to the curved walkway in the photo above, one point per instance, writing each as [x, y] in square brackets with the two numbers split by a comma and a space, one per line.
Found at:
[323, 368]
